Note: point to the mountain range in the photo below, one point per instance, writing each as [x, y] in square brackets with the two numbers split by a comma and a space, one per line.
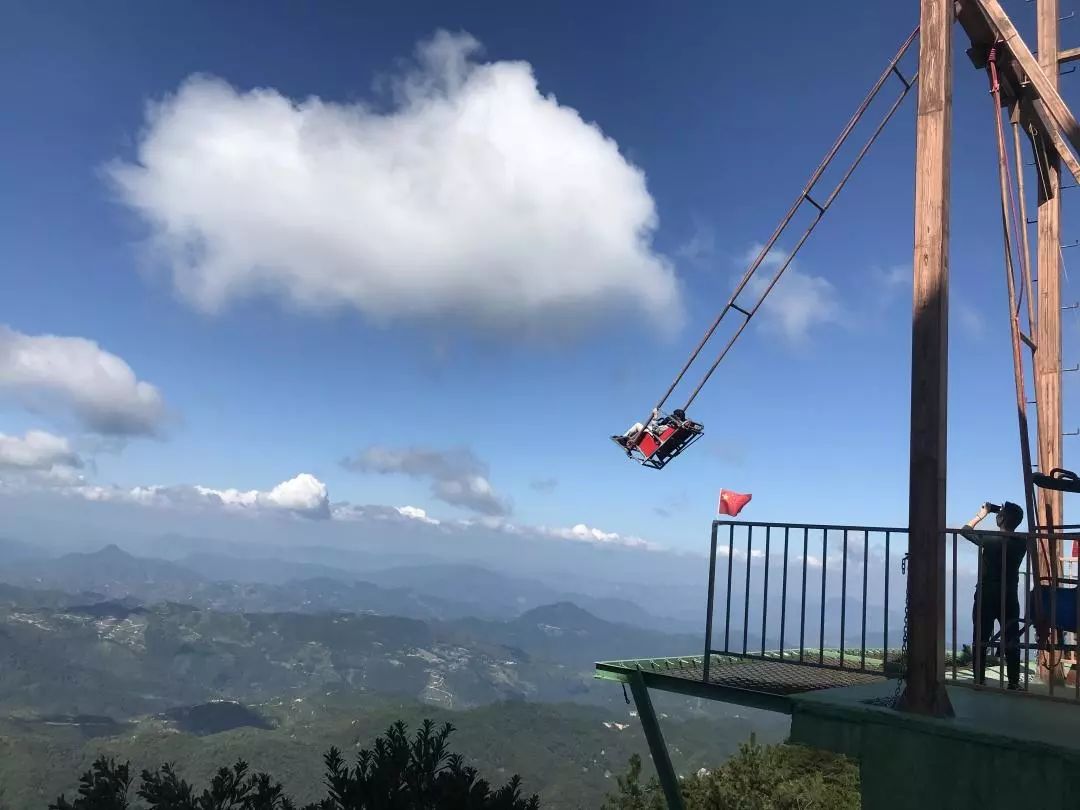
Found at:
[225, 582]
[209, 656]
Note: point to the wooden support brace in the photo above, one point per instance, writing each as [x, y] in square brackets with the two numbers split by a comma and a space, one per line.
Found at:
[984, 29]
[1048, 94]
[1034, 111]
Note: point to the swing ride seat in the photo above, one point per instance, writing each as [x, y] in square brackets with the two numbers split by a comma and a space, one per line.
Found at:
[1064, 606]
[1058, 479]
[1064, 599]
[656, 448]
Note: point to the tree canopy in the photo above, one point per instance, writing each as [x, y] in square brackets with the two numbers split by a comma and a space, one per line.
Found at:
[775, 777]
[396, 773]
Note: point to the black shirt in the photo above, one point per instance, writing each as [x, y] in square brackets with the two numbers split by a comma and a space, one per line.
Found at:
[991, 547]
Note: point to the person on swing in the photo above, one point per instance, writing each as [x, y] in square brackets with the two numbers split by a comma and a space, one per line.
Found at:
[656, 425]
[1001, 554]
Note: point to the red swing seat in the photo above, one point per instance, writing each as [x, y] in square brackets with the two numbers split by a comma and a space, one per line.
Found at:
[656, 449]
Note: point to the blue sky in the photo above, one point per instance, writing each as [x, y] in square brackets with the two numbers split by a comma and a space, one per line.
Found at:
[724, 110]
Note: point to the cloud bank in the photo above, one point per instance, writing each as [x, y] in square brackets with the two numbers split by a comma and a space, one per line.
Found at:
[305, 496]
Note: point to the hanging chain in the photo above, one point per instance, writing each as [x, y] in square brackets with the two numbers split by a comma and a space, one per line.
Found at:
[904, 641]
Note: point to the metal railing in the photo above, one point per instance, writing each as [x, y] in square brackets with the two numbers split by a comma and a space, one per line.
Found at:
[817, 594]
[1008, 627]
[833, 596]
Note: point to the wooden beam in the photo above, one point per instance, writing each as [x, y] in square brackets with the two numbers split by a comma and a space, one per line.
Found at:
[924, 682]
[1034, 112]
[977, 25]
[1066, 56]
[1044, 86]
[1048, 357]
[981, 31]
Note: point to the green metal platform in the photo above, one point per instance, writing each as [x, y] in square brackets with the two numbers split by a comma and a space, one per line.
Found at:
[760, 683]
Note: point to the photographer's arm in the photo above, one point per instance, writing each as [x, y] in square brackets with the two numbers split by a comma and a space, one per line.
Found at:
[968, 530]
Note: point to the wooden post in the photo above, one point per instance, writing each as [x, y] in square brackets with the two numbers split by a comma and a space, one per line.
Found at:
[1048, 338]
[924, 687]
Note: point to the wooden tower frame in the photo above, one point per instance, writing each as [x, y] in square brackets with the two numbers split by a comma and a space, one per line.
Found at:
[1029, 87]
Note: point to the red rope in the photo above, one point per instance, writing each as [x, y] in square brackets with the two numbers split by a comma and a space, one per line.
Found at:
[995, 90]
[1008, 202]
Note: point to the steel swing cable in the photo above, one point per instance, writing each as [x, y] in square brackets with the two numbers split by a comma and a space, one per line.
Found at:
[804, 196]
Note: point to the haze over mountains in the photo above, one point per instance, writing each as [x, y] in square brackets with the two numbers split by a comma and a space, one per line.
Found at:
[222, 581]
[667, 585]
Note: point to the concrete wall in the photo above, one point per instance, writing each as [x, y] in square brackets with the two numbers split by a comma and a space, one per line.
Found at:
[915, 763]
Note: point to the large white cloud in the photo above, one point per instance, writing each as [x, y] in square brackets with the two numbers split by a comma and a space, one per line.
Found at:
[50, 372]
[304, 495]
[473, 196]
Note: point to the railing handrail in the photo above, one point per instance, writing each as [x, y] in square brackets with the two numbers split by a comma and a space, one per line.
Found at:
[826, 526]
[1055, 533]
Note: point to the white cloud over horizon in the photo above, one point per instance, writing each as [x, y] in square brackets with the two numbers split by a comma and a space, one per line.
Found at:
[475, 196]
[304, 496]
[588, 534]
[352, 512]
[57, 375]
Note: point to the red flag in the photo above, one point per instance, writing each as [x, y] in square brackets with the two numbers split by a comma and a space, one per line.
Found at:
[731, 503]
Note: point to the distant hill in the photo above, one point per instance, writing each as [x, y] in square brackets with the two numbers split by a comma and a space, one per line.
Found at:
[493, 595]
[121, 659]
[110, 571]
[569, 634]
